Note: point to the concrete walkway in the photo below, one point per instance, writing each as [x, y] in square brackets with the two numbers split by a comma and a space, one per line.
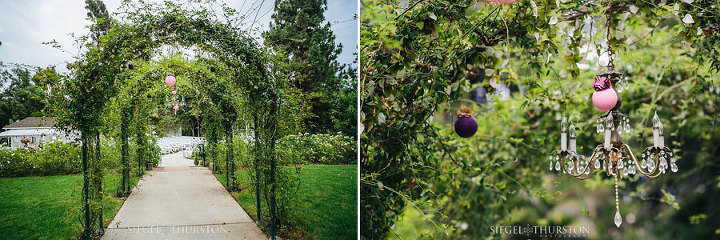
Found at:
[177, 201]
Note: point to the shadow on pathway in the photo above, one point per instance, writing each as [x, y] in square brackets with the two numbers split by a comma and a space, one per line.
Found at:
[177, 201]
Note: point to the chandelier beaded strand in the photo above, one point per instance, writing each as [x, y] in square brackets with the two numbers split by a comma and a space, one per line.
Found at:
[612, 155]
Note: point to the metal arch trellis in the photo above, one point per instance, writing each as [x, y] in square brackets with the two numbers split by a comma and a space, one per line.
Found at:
[96, 70]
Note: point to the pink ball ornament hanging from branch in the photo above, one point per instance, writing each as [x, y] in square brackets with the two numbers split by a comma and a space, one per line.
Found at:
[176, 107]
[604, 98]
[465, 125]
[170, 80]
[174, 92]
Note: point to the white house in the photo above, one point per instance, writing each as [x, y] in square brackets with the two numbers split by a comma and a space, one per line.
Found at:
[36, 129]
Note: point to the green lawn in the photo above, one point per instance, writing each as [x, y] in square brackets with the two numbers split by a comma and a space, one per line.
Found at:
[326, 201]
[49, 207]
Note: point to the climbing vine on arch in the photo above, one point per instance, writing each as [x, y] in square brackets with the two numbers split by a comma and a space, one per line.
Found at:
[101, 77]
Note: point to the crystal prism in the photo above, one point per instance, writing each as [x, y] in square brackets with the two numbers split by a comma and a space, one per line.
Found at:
[597, 164]
[557, 165]
[551, 165]
[673, 167]
[663, 162]
[618, 218]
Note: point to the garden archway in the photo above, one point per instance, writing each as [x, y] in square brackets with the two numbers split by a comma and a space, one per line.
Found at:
[99, 73]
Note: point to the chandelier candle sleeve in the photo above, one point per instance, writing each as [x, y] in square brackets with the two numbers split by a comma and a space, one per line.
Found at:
[563, 134]
[608, 131]
[661, 144]
[572, 138]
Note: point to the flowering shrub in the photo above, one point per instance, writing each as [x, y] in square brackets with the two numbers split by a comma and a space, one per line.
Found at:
[58, 158]
[317, 148]
[55, 158]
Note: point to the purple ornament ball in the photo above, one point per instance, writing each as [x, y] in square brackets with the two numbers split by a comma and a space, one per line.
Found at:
[465, 126]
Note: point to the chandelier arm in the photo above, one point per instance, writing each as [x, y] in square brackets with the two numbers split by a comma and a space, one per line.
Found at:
[652, 174]
[587, 171]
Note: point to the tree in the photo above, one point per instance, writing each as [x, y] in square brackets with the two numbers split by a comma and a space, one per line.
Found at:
[298, 31]
[21, 96]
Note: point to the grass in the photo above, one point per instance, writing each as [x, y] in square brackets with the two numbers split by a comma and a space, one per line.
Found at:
[50, 207]
[326, 205]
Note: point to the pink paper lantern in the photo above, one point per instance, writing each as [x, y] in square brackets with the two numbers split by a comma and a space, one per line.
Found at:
[176, 107]
[604, 98]
[170, 80]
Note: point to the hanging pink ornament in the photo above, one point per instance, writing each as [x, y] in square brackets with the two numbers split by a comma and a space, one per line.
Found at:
[170, 80]
[176, 107]
[174, 92]
[604, 98]
[465, 125]
[503, 2]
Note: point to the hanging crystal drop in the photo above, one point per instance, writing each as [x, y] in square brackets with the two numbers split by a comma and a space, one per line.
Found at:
[643, 155]
[604, 164]
[620, 164]
[557, 166]
[650, 164]
[600, 127]
[673, 167]
[627, 125]
[557, 157]
[618, 218]
[620, 86]
[551, 165]
[597, 164]
[570, 166]
[663, 162]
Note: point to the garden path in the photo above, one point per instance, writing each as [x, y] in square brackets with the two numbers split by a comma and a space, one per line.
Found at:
[177, 201]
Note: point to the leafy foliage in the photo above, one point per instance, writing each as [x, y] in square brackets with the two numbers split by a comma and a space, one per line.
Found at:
[21, 96]
[420, 61]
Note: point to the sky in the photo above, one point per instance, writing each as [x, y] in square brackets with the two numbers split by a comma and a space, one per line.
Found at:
[26, 24]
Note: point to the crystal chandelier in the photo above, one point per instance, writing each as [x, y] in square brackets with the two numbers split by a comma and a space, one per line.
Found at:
[613, 156]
